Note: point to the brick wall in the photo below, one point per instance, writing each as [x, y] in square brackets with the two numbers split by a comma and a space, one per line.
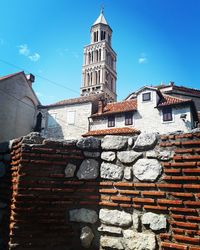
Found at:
[45, 191]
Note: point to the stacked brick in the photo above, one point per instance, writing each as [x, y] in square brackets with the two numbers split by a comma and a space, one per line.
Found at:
[45, 191]
[5, 193]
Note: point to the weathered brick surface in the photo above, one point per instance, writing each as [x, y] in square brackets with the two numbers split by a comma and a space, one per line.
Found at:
[42, 195]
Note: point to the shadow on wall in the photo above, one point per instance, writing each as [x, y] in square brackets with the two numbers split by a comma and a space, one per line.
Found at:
[52, 127]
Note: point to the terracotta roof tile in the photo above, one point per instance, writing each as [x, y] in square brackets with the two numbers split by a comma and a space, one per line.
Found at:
[118, 107]
[81, 99]
[170, 100]
[112, 131]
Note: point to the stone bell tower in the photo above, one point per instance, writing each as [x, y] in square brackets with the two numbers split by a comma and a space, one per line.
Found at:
[99, 65]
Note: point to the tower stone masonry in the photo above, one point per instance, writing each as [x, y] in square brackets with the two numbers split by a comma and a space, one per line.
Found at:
[99, 64]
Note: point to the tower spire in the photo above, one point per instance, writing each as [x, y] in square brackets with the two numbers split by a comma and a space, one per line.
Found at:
[102, 9]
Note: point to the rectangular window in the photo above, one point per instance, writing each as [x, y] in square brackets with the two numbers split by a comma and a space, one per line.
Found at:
[128, 119]
[146, 97]
[52, 120]
[167, 114]
[71, 117]
[111, 121]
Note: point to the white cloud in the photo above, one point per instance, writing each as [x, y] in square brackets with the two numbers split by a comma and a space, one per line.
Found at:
[142, 59]
[25, 51]
[34, 57]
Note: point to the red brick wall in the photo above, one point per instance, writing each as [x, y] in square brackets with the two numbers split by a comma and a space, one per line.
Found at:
[42, 195]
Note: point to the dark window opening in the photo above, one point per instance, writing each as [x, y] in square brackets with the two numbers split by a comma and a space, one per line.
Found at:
[167, 114]
[103, 35]
[128, 119]
[111, 121]
[146, 97]
[38, 125]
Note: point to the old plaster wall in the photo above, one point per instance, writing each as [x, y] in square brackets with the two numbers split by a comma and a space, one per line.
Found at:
[18, 107]
[118, 193]
[64, 128]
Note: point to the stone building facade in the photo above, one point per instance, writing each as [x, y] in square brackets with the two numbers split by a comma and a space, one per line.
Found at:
[148, 110]
[68, 119]
[18, 105]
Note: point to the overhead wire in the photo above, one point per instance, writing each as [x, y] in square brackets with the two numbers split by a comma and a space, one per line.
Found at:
[42, 77]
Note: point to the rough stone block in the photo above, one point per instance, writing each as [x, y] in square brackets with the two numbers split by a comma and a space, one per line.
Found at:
[147, 169]
[145, 141]
[111, 171]
[155, 221]
[152, 154]
[128, 156]
[111, 242]
[88, 170]
[69, 170]
[110, 142]
[138, 241]
[86, 236]
[108, 156]
[165, 155]
[136, 221]
[128, 173]
[115, 217]
[110, 229]
[89, 143]
[90, 154]
[83, 215]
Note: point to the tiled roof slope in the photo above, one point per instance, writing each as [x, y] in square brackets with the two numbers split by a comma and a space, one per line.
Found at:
[112, 131]
[169, 100]
[77, 100]
[119, 107]
[181, 88]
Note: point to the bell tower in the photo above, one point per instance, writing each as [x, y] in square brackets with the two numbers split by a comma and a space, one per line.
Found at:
[99, 64]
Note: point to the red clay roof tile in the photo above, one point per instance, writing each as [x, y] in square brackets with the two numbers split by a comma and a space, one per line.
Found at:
[112, 131]
[170, 100]
[118, 107]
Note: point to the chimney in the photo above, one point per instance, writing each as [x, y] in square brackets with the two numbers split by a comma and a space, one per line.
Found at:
[30, 78]
[101, 105]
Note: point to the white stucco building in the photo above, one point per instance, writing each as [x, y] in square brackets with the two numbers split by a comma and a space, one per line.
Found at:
[68, 119]
[18, 105]
[147, 110]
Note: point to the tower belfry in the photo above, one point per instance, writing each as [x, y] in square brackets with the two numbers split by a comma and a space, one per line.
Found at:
[99, 65]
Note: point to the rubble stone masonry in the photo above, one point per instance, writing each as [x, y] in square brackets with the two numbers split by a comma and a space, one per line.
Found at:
[132, 193]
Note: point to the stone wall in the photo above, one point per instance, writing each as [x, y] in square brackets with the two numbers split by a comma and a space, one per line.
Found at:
[118, 193]
[5, 193]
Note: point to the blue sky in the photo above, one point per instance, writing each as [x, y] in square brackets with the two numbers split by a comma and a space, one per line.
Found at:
[155, 41]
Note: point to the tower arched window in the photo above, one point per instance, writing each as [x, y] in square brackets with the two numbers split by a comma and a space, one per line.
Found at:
[99, 72]
[99, 54]
[92, 56]
[97, 36]
[88, 79]
[91, 78]
[89, 56]
[96, 78]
